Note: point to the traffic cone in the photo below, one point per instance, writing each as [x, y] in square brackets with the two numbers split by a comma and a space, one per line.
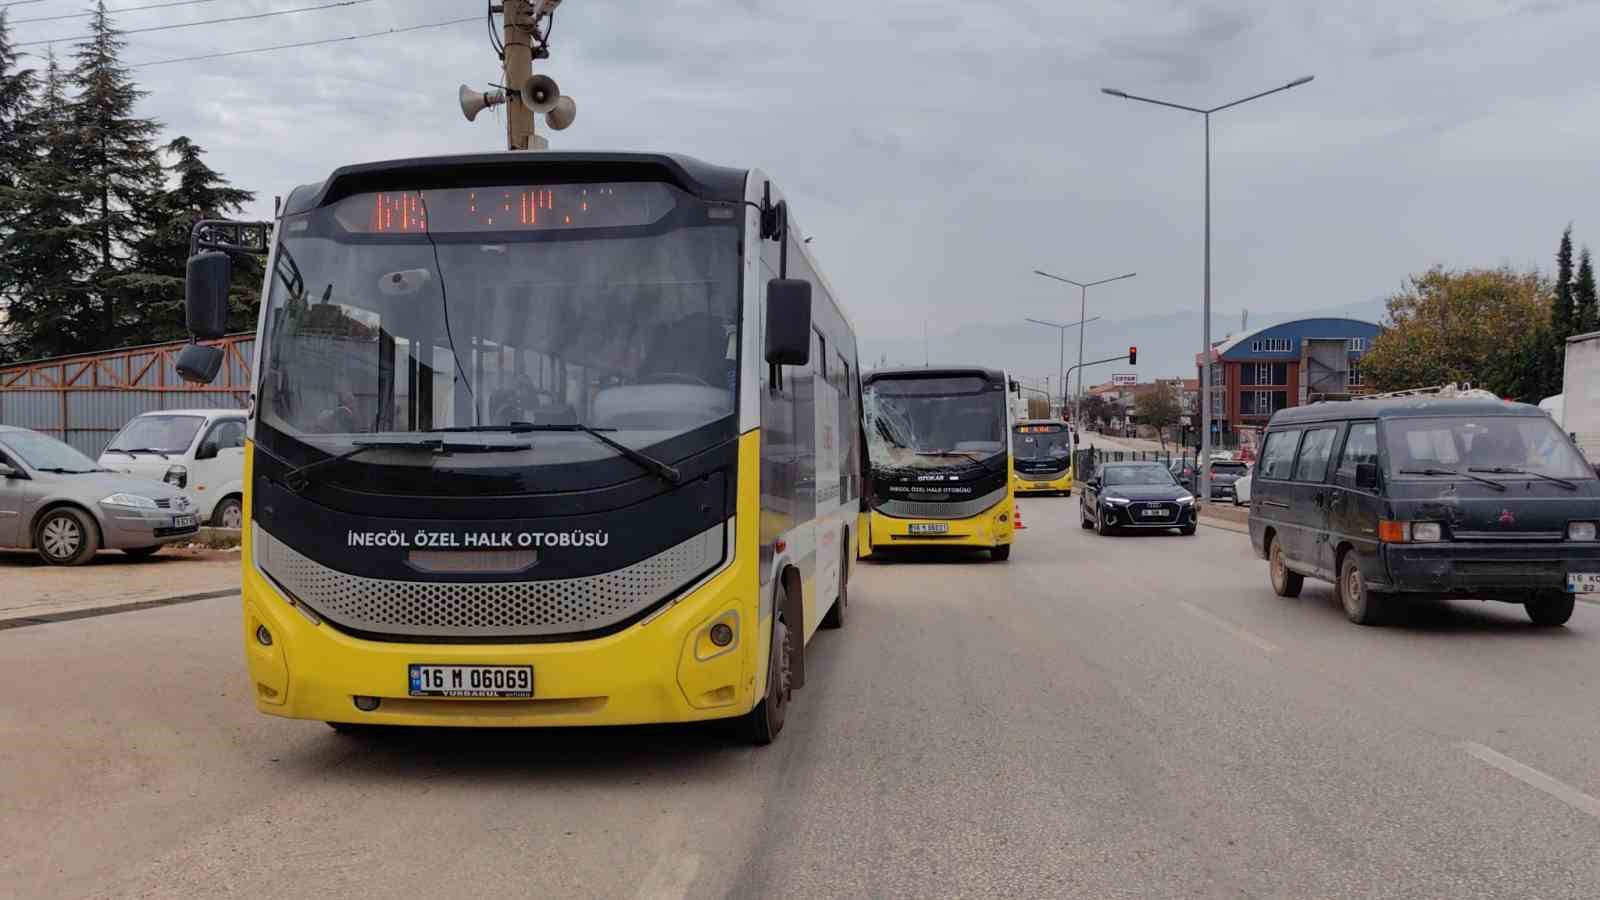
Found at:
[1016, 518]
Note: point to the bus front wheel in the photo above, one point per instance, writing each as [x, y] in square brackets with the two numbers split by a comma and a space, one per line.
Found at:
[762, 725]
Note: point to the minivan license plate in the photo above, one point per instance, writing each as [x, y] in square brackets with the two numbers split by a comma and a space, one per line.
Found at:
[1583, 582]
[930, 527]
[470, 681]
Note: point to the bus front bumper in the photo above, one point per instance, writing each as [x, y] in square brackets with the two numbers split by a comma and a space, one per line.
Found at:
[990, 528]
[1061, 485]
[664, 669]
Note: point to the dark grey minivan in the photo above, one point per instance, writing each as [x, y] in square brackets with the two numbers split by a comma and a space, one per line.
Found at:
[1424, 496]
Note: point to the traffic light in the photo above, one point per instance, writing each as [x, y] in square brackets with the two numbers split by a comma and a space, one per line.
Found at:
[1133, 356]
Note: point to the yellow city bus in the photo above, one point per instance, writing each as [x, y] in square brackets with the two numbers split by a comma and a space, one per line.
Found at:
[540, 439]
[1041, 457]
[939, 465]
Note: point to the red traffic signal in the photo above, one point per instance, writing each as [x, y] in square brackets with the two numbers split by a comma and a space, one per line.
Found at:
[1133, 356]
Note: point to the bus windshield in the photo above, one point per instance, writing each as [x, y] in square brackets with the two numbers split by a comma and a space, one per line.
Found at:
[930, 423]
[1034, 442]
[414, 313]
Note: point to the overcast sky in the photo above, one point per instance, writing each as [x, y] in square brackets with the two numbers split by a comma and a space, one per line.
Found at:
[939, 151]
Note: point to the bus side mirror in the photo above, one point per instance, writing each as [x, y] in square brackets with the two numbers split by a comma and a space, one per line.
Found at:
[1367, 476]
[199, 364]
[788, 322]
[205, 294]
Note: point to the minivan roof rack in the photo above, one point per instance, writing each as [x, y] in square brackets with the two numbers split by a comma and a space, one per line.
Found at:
[1462, 390]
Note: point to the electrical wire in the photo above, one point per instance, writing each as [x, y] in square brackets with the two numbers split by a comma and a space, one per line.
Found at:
[18, 3]
[251, 17]
[316, 43]
[494, 38]
[123, 9]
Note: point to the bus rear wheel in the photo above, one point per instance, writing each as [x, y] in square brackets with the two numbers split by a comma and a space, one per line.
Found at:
[1000, 553]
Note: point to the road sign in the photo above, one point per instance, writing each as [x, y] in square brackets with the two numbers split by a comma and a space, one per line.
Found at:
[1125, 378]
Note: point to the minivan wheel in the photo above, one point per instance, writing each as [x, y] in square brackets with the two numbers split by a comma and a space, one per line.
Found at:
[1284, 582]
[1361, 605]
[66, 537]
[1550, 610]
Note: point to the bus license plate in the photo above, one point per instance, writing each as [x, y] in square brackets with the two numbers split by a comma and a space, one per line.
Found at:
[930, 528]
[1583, 582]
[471, 681]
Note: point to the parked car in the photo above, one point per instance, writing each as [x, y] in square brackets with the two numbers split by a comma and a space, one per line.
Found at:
[1136, 496]
[200, 451]
[57, 501]
[1241, 488]
[1225, 474]
[1404, 497]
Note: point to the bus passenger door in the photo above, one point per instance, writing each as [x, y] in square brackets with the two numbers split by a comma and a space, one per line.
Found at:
[829, 524]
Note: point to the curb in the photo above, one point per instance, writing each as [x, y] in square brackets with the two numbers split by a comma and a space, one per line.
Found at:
[113, 609]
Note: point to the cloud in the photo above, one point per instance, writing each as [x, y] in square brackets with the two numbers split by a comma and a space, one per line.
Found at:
[940, 150]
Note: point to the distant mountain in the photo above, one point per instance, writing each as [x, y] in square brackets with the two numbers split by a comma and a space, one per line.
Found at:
[1167, 343]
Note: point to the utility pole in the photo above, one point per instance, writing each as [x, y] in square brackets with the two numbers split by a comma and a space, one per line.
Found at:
[519, 19]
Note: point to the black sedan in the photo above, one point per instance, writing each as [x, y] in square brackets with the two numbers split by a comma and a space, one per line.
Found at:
[1136, 496]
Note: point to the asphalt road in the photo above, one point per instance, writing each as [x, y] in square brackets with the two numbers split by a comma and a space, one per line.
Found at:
[1099, 717]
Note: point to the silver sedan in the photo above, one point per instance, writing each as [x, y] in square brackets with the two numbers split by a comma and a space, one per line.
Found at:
[61, 503]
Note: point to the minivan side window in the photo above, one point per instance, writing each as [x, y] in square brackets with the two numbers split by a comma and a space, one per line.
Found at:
[1277, 456]
[1360, 446]
[1314, 453]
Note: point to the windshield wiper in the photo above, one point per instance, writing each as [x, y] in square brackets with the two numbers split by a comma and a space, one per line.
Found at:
[297, 481]
[1437, 471]
[964, 454]
[58, 470]
[136, 450]
[1507, 470]
[656, 467]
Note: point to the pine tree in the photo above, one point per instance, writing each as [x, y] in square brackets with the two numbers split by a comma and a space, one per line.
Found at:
[17, 85]
[17, 150]
[1552, 359]
[49, 252]
[198, 192]
[1583, 297]
[120, 164]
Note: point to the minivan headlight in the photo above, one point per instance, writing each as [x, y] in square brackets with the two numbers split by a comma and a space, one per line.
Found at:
[1426, 532]
[132, 501]
[1581, 531]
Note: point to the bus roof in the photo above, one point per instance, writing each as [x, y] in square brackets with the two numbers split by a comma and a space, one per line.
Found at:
[1399, 407]
[932, 372]
[702, 179]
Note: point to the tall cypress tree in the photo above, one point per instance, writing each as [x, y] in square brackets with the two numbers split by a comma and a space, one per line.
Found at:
[1584, 318]
[1561, 309]
[49, 253]
[119, 162]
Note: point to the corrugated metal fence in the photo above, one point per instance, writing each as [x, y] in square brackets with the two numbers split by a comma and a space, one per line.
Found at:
[85, 399]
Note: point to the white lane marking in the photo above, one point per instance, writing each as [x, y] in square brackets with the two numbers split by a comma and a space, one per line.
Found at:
[670, 879]
[1254, 639]
[1534, 778]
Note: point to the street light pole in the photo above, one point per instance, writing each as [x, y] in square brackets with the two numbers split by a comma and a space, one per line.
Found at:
[1203, 468]
[1083, 308]
[1061, 359]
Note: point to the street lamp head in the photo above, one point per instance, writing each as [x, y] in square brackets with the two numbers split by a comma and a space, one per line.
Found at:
[1113, 92]
[1299, 81]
